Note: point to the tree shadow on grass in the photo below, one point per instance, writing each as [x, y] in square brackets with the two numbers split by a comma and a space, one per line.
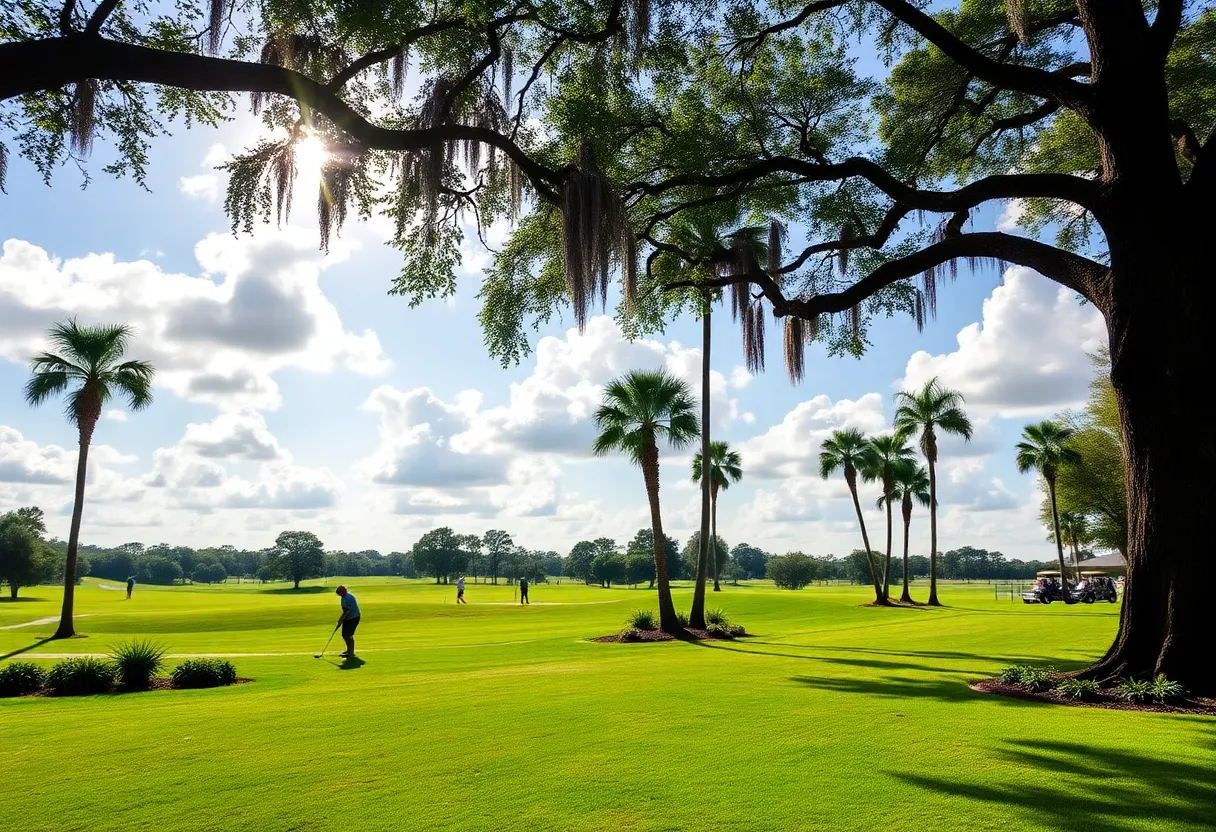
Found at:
[904, 687]
[1089, 786]
[304, 590]
[879, 664]
[919, 654]
[21, 650]
[20, 599]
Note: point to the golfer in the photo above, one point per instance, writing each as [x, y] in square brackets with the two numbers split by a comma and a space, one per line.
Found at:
[460, 590]
[349, 620]
[130, 586]
[523, 592]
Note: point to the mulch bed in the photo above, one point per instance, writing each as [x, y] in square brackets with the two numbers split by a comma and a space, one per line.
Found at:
[1101, 699]
[159, 683]
[644, 636]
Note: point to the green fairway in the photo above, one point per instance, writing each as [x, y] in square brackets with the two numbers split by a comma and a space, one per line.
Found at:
[495, 717]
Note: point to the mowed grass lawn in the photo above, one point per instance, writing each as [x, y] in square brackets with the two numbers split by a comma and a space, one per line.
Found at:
[495, 717]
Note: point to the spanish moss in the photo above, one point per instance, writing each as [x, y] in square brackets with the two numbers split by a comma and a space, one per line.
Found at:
[847, 235]
[508, 73]
[753, 337]
[398, 70]
[776, 245]
[595, 232]
[919, 310]
[215, 32]
[3, 166]
[83, 119]
[795, 347]
[855, 323]
[283, 172]
[334, 196]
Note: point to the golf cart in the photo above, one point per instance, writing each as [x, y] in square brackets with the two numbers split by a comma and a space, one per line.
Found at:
[1095, 586]
[1047, 588]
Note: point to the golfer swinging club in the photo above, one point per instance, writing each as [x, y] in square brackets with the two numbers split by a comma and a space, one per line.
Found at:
[349, 620]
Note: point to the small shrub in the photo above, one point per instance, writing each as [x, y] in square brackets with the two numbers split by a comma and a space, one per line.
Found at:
[642, 620]
[138, 662]
[203, 673]
[1166, 691]
[1011, 675]
[81, 677]
[718, 629]
[1135, 690]
[631, 634]
[716, 616]
[737, 630]
[19, 678]
[1077, 688]
[1038, 678]
[682, 619]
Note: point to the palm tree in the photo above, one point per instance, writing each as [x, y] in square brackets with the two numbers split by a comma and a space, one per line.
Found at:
[928, 410]
[1044, 448]
[87, 365]
[705, 252]
[725, 467]
[1076, 530]
[849, 451]
[887, 453]
[639, 409]
[911, 484]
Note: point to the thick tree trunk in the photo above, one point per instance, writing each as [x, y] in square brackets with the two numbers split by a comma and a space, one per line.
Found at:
[865, 539]
[933, 602]
[906, 597]
[696, 616]
[713, 537]
[66, 627]
[12, 591]
[1055, 519]
[667, 610]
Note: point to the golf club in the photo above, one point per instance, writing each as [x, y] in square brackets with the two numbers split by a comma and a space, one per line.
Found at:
[331, 638]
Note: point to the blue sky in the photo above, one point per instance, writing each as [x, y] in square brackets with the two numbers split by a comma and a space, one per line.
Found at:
[294, 393]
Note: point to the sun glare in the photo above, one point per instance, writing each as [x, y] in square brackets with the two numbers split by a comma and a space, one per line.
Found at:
[311, 154]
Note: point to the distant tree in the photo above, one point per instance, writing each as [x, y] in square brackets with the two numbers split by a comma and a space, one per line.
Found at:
[1075, 528]
[848, 451]
[719, 558]
[725, 467]
[551, 563]
[926, 411]
[21, 562]
[112, 564]
[32, 518]
[639, 568]
[640, 409]
[209, 572]
[578, 563]
[857, 566]
[792, 571]
[751, 559]
[153, 569]
[401, 563]
[496, 543]
[441, 554]
[643, 541]
[296, 556]
[887, 453]
[85, 364]
[1044, 448]
[609, 568]
[911, 485]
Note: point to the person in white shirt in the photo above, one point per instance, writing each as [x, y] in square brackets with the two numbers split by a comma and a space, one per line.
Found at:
[460, 590]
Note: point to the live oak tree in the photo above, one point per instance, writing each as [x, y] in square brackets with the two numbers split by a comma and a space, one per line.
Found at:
[296, 556]
[1094, 118]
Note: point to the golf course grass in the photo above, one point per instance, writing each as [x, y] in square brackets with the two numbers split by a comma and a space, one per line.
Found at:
[495, 717]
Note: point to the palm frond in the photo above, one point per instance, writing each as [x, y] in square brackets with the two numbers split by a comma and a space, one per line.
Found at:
[43, 385]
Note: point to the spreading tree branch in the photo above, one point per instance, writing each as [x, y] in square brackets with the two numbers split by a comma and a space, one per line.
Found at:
[33, 66]
[379, 56]
[99, 16]
[65, 17]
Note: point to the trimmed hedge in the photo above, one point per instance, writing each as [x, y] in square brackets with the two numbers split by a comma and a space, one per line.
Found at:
[203, 673]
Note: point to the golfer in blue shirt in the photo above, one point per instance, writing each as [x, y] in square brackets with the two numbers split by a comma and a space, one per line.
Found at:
[349, 620]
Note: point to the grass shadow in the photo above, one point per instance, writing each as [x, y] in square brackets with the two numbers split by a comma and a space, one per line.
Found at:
[304, 590]
[33, 646]
[900, 687]
[1088, 786]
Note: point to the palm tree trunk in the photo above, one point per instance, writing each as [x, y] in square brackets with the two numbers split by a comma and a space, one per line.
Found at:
[886, 572]
[696, 616]
[713, 538]
[66, 627]
[906, 597]
[865, 539]
[933, 602]
[1055, 519]
[650, 472]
